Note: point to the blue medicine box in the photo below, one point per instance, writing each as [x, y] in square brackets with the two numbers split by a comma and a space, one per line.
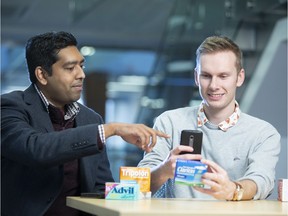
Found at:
[189, 172]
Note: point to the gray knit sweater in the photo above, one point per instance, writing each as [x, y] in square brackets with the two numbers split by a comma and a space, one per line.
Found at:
[248, 150]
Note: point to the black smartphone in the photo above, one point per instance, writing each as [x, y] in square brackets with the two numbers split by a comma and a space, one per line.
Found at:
[98, 195]
[192, 138]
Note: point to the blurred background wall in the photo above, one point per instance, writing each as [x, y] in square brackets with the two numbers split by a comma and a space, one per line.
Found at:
[140, 56]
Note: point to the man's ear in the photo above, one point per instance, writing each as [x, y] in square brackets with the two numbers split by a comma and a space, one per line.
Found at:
[41, 75]
[240, 78]
[196, 77]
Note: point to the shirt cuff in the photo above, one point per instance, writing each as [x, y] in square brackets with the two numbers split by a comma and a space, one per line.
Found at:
[101, 138]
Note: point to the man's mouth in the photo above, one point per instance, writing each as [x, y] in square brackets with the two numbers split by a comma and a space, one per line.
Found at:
[215, 96]
[78, 87]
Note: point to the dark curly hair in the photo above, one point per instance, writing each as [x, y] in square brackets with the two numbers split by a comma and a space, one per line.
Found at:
[42, 50]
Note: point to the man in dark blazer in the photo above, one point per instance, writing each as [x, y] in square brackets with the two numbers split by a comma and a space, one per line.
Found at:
[51, 145]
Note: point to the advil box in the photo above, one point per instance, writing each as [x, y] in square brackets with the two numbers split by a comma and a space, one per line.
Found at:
[189, 172]
[120, 191]
[139, 175]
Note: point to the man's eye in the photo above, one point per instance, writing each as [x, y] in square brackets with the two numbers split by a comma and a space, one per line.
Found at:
[70, 68]
[83, 67]
[204, 75]
[223, 76]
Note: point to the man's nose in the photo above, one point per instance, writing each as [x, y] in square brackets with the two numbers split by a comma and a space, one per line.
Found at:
[214, 83]
[80, 72]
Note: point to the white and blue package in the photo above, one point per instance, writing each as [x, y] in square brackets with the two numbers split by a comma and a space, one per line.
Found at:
[121, 191]
[189, 172]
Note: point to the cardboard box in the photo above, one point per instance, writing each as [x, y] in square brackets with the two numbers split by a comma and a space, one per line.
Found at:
[121, 191]
[283, 190]
[139, 175]
[189, 172]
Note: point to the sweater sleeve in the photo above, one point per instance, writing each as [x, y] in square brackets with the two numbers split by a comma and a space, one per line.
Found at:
[262, 160]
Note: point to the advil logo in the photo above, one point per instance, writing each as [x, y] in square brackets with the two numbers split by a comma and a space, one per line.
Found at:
[122, 190]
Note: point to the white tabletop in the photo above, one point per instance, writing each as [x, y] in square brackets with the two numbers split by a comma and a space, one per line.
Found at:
[164, 207]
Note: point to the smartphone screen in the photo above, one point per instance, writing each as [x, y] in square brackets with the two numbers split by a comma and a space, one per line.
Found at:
[192, 138]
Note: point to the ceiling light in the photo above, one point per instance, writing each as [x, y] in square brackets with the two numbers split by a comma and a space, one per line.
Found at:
[87, 51]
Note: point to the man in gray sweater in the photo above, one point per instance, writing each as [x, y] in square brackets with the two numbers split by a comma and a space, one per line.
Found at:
[241, 151]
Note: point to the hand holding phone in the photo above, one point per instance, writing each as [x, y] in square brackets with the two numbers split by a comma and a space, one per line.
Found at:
[192, 138]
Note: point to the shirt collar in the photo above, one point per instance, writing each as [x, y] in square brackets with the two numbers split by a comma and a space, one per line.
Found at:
[224, 125]
[71, 111]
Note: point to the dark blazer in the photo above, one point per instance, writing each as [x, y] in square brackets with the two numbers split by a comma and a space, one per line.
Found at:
[32, 154]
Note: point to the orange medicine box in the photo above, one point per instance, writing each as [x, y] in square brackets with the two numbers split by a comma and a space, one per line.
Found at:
[140, 175]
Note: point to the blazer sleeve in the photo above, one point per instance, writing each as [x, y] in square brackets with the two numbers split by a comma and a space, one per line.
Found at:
[27, 134]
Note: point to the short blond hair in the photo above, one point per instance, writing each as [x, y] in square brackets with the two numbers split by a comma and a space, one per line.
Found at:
[215, 44]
